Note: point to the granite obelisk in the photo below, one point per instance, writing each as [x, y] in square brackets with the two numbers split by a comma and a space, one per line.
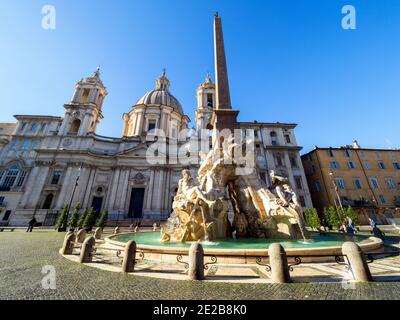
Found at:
[224, 118]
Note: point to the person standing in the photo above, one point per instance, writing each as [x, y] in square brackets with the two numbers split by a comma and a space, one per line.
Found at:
[31, 225]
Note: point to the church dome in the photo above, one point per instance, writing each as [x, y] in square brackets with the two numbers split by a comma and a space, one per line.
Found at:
[161, 96]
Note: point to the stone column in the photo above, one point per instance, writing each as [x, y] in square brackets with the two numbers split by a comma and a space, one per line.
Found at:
[279, 264]
[64, 188]
[125, 183]
[150, 191]
[30, 185]
[85, 125]
[196, 262]
[64, 126]
[36, 191]
[113, 191]
[357, 261]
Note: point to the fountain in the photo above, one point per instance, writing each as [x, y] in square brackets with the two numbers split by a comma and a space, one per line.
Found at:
[227, 179]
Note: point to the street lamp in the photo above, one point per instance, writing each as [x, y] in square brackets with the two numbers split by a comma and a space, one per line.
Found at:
[337, 192]
[73, 194]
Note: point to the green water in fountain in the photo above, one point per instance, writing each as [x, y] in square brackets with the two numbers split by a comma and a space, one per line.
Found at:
[317, 241]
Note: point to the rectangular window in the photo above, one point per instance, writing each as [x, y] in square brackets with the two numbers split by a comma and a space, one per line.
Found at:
[340, 183]
[256, 133]
[348, 153]
[362, 152]
[381, 165]
[287, 138]
[56, 177]
[382, 198]
[26, 144]
[302, 201]
[151, 126]
[367, 165]
[2, 200]
[396, 165]
[10, 178]
[279, 160]
[7, 215]
[318, 186]
[42, 128]
[335, 165]
[377, 155]
[299, 183]
[391, 183]
[357, 183]
[374, 183]
[21, 179]
[293, 161]
[351, 165]
[330, 153]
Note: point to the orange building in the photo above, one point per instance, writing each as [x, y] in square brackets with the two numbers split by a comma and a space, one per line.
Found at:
[366, 179]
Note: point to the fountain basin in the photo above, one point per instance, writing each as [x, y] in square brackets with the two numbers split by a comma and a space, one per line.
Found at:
[246, 251]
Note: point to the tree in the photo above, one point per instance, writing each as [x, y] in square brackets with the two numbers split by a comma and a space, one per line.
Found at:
[312, 218]
[332, 217]
[82, 218]
[90, 220]
[73, 221]
[352, 215]
[101, 223]
[62, 219]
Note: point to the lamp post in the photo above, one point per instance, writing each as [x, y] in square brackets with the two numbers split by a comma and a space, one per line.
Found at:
[337, 192]
[72, 196]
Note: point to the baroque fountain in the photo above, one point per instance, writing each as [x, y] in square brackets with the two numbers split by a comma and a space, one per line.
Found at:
[228, 182]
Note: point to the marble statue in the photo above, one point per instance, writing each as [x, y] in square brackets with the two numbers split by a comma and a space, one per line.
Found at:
[201, 205]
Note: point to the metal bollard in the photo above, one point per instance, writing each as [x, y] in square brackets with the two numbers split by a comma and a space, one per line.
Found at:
[279, 264]
[357, 261]
[196, 262]
[128, 264]
[86, 250]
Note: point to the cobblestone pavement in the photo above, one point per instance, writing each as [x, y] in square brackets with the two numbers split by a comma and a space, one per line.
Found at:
[22, 257]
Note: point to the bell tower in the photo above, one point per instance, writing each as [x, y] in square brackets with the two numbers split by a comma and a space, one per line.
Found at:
[205, 103]
[84, 112]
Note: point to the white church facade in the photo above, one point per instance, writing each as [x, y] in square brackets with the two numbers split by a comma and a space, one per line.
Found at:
[47, 162]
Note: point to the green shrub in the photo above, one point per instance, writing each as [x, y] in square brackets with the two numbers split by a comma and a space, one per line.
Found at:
[82, 218]
[312, 218]
[101, 223]
[332, 217]
[62, 219]
[352, 215]
[90, 220]
[73, 221]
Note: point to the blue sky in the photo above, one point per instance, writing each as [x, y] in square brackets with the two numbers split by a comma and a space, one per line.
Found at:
[289, 61]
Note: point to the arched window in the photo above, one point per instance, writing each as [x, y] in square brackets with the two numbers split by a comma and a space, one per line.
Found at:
[75, 125]
[274, 138]
[48, 201]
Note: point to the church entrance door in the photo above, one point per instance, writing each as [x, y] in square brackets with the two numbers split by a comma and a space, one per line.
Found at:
[97, 204]
[136, 204]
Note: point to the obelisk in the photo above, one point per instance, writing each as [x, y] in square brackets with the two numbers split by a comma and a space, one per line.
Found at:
[224, 118]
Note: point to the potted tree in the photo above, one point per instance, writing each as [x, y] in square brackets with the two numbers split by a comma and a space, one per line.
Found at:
[61, 224]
